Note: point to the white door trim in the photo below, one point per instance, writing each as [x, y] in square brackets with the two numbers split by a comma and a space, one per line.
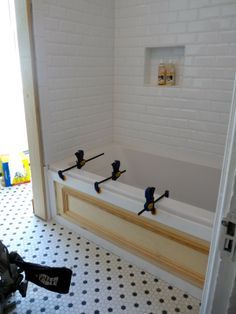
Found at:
[222, 208]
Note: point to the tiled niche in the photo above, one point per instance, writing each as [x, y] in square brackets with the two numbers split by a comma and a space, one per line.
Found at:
[156, 55]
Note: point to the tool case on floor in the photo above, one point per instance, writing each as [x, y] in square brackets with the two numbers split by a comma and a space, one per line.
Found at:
[15, 274]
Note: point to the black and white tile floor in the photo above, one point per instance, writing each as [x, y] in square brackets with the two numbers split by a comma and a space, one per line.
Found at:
[102, 282]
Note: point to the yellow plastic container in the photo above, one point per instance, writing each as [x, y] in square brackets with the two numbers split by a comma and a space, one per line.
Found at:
[15, 170]
[26, 175]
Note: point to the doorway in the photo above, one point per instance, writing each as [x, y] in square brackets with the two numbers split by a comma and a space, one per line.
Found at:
[21, 102]
[14, 155]
[12, 126]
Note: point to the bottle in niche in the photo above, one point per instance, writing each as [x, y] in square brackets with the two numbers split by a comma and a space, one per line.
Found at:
[170, 74]
[161, 73]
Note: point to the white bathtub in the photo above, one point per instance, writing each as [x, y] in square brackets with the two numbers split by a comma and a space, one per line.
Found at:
[191, 187]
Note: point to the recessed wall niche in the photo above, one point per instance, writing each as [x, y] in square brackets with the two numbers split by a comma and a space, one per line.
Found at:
[155, 55]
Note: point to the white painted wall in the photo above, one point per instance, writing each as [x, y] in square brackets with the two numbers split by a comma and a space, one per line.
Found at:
[188, 122]
[74, 52]
[90, 60]
[13, 136]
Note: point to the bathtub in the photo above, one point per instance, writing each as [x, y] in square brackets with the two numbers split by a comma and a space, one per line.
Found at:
[174, 243]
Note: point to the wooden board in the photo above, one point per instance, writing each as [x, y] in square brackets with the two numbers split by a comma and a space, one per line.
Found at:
[24, 22]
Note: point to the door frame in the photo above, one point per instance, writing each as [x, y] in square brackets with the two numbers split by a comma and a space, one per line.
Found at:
[219, 281]
[24, 26]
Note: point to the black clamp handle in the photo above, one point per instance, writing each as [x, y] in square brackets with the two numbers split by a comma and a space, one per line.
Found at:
[80, 162]
[116, 173]
[150, 202]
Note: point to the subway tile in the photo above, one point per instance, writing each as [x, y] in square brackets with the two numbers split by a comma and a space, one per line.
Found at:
[228, 9]
[210, 12]
[90, 55]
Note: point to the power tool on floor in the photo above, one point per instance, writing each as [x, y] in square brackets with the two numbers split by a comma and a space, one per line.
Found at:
[15, 274]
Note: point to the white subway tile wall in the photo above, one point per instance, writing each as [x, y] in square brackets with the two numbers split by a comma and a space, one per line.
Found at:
[189, 121]
[90, 63]
[74, 43]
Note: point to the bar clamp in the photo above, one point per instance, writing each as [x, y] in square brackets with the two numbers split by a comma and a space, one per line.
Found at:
[149, 205]
[80, 162]
[116, 173]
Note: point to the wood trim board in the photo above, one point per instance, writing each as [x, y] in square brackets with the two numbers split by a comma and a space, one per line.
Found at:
[24, 23]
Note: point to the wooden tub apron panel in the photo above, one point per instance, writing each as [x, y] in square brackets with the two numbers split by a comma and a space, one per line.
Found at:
[170, 249]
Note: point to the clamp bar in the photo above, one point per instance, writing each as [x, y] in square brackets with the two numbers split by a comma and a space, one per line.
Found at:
[80, 162]
[116, 173]
[150, 202]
